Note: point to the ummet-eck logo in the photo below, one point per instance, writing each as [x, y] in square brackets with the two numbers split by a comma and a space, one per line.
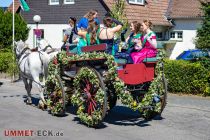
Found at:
[30, 133]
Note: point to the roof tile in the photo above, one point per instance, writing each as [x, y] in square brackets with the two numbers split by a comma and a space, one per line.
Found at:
[153, 10]
[17, 5]
[185, 9]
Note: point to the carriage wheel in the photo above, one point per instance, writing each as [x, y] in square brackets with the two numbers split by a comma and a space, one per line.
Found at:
[56, 96]
[164, 96]
[111, 93]
[163, 100]
[91, 95]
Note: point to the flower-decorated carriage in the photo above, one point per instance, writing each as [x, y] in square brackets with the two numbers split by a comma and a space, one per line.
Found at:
[94, 80]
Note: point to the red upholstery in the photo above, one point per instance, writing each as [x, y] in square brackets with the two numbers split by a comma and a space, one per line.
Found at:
[99, 47]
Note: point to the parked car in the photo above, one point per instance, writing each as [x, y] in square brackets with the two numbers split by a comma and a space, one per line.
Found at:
[193, 54]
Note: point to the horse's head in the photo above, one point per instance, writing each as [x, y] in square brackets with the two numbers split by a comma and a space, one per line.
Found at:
[44, 45]
[19, 46]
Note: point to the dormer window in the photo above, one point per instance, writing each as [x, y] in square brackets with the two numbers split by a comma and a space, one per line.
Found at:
[54, 2]
[140, 2]
[68, 1]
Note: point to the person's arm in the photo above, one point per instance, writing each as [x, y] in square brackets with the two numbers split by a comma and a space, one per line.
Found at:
[127, 39]
[123, 35]
[82, 33]
[66, 35]
[65, 38]
[138, 46]
[152, 40]
[118, 27]
[138, 43]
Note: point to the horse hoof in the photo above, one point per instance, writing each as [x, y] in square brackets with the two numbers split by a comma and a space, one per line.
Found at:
[42, 105]
[28, 102]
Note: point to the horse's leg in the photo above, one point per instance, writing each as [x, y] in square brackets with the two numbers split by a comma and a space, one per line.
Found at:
[28, 89]
[40, 86]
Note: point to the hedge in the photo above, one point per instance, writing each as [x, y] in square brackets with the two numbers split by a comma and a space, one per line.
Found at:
[187, 77]
[7, 64]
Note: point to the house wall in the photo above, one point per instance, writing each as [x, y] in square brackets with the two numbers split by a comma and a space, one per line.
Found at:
[53, 33]
[189, 28]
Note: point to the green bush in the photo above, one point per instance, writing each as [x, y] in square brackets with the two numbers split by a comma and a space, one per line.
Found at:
[21, 29]
[187, 77]
[7, 63]
[205, 62]
[5, 59]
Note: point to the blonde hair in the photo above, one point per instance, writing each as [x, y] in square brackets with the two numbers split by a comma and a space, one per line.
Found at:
[90, 14]
[148, 23]
[92, 30]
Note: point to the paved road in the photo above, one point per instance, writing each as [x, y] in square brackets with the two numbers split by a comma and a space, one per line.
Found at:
[185, 118]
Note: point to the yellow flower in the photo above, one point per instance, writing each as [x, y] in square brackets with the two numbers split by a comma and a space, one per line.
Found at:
[134, 104]
[80, 108]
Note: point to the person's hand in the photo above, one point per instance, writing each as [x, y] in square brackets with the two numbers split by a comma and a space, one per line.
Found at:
[124, 31]
[138, 47]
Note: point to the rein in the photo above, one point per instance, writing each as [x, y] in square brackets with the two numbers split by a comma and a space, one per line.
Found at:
[23, 73]
[48, 46]
[23, 51]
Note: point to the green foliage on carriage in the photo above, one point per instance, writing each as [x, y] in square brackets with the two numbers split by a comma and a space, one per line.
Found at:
[203, 33]
[188, 77]
[21, 29]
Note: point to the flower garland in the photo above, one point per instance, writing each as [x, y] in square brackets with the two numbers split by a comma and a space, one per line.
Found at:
[53, 89]
[95, 116]
[155, 89]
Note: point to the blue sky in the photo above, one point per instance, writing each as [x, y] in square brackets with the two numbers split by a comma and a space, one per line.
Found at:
[5, 3]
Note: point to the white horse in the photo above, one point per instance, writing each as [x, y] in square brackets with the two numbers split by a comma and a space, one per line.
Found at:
[32, 65]
[45, 46]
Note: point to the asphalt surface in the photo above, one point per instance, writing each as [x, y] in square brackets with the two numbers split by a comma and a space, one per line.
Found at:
[184, 118]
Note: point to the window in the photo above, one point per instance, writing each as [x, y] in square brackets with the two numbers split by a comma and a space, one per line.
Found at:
[68, 1]
[176, 35]
[54, 2]
[141, 2]
[172, 35]
[159, 35]
[179, 35]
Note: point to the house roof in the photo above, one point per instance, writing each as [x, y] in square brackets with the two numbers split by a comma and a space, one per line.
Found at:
[153, 10]
[58, 14]
[185, 9]
[17, 6]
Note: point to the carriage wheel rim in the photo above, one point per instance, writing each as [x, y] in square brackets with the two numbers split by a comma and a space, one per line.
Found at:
[89, 96]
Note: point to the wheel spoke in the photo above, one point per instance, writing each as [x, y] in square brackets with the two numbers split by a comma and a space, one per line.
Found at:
[88, 88]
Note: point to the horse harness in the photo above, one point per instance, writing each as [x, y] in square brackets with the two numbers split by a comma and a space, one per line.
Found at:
[26, 55]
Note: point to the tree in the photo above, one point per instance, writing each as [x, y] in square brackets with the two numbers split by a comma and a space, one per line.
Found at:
[203, 34]
[21, 29]
[118, 12]
[6, 52]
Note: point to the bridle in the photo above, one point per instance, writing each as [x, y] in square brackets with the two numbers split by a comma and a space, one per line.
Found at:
[22, 52]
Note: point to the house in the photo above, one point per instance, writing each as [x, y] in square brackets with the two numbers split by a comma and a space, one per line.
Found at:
[54, 16]
[186, 17]
[175, 21]
[4, 8]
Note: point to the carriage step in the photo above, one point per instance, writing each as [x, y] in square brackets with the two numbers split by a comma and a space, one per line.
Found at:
[66, 78]
[71, 74]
